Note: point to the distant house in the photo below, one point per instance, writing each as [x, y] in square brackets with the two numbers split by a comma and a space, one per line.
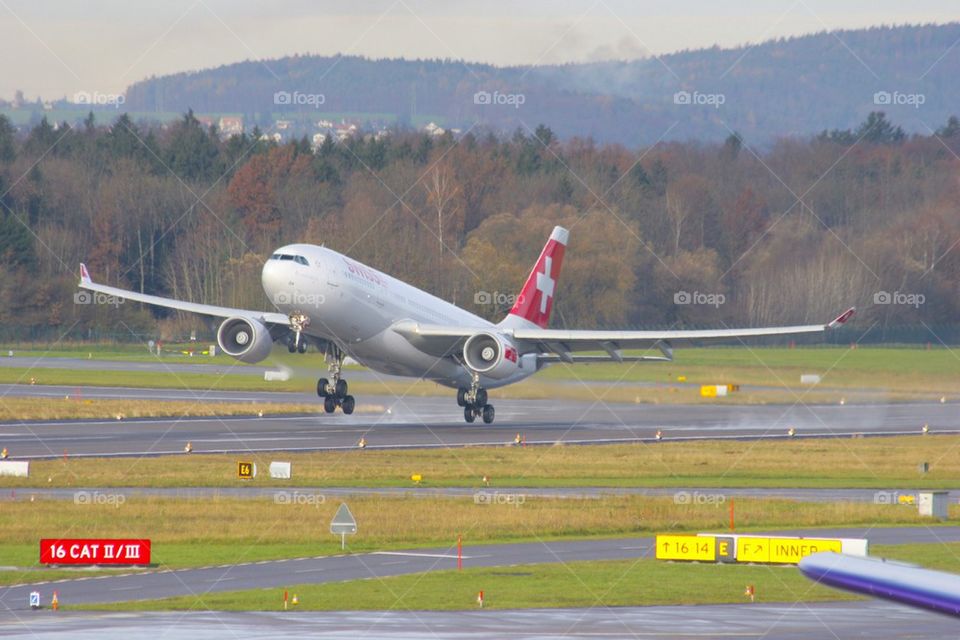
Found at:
[283, 125]
[345, 131]
[434, 129]
[276, 137]
[231, 126]
[324, 124]
[206, 121]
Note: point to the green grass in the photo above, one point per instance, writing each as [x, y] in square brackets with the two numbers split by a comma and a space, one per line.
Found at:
[610, 583]
[852, 375]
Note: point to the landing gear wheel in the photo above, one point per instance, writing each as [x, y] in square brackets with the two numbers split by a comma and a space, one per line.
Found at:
[322, 387]
[341, 388]
[329, 404]
[302, 347]
[488, 413]
[481, 398]
[348, 404]
[291, 347]
[462, 397]
[469, 415]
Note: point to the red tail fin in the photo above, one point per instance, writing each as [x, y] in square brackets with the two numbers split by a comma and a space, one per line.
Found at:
[536, 298]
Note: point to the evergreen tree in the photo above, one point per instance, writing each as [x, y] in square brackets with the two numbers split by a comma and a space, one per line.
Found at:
[7, 148]
[192, 153]
[16, 243]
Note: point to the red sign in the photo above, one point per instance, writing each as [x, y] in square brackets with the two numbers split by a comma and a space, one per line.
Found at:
[94, 551]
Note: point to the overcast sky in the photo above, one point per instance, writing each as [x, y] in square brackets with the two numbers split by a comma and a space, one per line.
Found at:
[55, 48]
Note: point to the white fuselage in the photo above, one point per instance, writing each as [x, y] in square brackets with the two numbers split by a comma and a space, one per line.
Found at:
[356, 306]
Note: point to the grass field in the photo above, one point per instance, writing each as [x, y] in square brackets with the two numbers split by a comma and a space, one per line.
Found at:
[881, 463]
[230, 530]
[573, 584]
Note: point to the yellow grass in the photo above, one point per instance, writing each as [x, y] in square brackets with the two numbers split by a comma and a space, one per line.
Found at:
[66, 408]
[304, 517]
[888, 463]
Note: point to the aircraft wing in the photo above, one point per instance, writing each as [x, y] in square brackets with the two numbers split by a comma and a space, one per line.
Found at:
[913, 586]
[443, 340]
[267, 317]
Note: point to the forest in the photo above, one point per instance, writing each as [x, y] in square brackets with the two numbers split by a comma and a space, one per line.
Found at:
[672, 235]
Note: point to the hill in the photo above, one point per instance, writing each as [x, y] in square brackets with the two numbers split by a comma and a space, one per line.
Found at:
[794, 86]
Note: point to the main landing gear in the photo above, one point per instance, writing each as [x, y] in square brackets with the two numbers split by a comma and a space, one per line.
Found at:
[474, 402]
[334, 393]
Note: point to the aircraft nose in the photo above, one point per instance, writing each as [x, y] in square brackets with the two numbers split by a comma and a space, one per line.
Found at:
[275, 279]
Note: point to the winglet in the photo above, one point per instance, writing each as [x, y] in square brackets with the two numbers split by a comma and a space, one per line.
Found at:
[842, 319]
[84, 275]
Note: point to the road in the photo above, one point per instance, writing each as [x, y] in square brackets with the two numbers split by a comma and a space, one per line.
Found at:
[869, 619]
[414, 422]
[149, 585]
[680, 494]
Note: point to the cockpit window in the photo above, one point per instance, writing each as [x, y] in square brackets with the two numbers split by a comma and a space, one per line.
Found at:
[287, 256]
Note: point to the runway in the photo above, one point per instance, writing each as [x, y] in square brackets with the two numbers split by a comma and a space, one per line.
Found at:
[419, 422]
[868, 619]
[152, 584]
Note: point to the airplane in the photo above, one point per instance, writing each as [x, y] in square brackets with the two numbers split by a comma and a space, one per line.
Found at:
[346, 308]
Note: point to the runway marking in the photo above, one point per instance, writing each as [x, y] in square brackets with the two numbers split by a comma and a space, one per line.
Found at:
[242, 438]
[309, 570]
[421, 555]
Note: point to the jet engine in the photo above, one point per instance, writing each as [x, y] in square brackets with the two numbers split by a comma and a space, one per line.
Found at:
[491, 355]
[245, 339]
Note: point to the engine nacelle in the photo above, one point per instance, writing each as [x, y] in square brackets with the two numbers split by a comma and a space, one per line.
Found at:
[491, 355]
[245, 339]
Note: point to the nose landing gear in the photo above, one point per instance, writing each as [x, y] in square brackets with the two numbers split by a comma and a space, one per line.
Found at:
[298, 323]
[335, 394]
[474, 402]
